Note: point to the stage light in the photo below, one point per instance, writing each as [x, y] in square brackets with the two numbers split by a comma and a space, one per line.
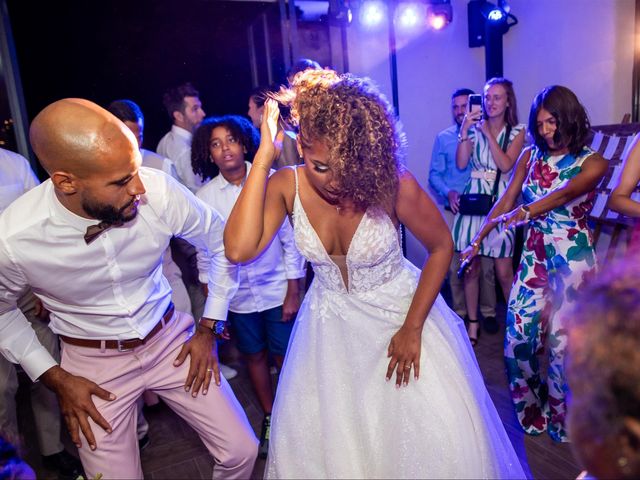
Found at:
[440, 14]
[407, 15]
[437, 22]
[372, 13]
[410, 15]
[496, 15]
[339, 13]
[482, 14]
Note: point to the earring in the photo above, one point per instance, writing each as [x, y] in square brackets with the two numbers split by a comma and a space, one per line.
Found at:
[623, 463]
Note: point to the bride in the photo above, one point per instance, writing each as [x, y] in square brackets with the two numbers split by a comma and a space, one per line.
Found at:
[379, 380]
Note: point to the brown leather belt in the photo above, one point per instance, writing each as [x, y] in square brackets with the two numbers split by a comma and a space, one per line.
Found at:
[122, 345]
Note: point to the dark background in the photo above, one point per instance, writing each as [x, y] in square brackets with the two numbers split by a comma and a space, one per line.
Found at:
[106, 50]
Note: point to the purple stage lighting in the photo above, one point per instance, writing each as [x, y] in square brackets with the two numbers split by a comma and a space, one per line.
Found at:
[372, 13]
[410, 15]
[438, 22]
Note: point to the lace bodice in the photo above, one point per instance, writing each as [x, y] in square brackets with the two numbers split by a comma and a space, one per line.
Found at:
[374, 256]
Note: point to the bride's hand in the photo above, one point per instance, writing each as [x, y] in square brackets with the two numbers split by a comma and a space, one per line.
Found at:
[404, 351]
[269, 121]
[268, 130]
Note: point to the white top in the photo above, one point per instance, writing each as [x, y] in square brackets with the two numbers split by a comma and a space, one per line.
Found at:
[112, 288]
[176, 145]
[153, 160]
[262, 282]
[16, 177]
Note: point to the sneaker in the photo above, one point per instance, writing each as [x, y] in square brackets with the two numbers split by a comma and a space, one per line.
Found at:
[263, 449]
[227, 372]
[144, 442]
[490, 325]
[66, 465]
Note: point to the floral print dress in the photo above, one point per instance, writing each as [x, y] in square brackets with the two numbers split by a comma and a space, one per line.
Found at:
[558, 255]
[500, 242]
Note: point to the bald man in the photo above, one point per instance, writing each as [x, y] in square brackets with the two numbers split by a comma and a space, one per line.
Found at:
[91, 249]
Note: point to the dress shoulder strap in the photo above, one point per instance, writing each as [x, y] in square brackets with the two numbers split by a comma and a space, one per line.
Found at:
[295, 174]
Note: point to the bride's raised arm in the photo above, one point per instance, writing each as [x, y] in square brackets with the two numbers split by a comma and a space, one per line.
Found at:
[260, 209]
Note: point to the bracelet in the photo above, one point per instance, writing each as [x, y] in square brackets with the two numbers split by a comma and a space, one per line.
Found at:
[475, 244]
[462, 139]
[262, 167]
[527, 212]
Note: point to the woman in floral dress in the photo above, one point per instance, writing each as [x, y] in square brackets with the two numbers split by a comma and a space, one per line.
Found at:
[481, 142]
[557, 177]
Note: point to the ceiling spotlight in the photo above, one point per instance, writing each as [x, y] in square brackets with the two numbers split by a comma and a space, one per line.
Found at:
[372, 13]
[483, 15]
[340, 12]
[437, 22]
[496, 15]
[410, 15]
[440, 14]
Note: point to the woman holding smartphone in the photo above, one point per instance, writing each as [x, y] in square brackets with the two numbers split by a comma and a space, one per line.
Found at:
[491, 139]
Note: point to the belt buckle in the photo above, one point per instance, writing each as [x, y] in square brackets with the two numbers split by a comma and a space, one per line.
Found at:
[122, 348]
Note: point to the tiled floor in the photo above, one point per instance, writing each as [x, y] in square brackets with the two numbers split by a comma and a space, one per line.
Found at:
[176, 452]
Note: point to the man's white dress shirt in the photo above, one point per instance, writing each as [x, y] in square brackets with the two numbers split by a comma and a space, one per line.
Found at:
[262, 282]
[112, 288]
[176, 145]
[16, 177]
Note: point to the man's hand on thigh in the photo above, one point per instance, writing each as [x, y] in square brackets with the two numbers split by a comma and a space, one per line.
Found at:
[74, 395]
[204, 361]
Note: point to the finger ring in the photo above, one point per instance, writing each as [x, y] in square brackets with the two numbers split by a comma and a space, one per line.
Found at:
[407, 367]
[209, 369]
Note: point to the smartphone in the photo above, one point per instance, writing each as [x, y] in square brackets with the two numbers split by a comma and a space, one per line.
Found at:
[463, 268]
[474, 103]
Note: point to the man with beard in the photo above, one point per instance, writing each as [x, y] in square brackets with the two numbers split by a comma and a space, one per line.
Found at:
[91, 248]
[183, 105]
[448, 181]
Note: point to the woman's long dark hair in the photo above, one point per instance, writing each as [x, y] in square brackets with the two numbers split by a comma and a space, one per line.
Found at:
[240, 128]
[572, 121]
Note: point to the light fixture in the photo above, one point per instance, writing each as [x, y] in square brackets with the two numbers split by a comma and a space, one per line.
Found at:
[437, 22]
[372, 13]
[340, 12]
[496, 15]
[482, 14]
[488, 22]
[407, 15]
[440, 14]
[410, 15]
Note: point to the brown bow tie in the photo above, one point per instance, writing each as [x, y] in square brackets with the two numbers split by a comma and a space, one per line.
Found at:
[94, 231]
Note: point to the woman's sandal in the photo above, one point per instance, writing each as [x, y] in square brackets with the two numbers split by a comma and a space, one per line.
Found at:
[472, 340]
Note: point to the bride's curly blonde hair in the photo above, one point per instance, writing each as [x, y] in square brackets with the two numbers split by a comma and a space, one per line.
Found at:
[358, 127]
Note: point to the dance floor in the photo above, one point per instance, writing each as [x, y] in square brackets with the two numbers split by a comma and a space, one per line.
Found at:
[175, 452]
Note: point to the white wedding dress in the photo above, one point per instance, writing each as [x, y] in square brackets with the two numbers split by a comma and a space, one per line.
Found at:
[335, 416]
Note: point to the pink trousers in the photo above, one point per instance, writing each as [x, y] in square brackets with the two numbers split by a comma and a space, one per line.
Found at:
[217, 417]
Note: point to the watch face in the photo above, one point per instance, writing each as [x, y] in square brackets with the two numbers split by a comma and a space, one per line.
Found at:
[218, 327]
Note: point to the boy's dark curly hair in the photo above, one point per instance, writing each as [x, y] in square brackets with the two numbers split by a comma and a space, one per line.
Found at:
[359, 128]
[572, 121]
[240, 128]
